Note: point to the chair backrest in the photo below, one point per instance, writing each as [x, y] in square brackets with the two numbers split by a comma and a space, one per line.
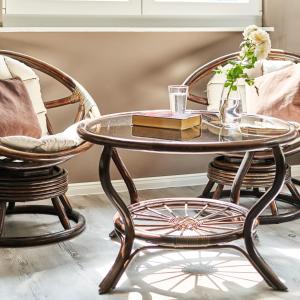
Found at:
[207, 70]
[21, 65]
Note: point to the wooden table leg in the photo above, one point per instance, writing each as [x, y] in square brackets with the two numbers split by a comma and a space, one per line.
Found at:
[123, 258]
[239, 177]
[262, 267]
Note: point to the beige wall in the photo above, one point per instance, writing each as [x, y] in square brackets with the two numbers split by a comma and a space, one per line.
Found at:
[123, 72]
[284, 16]
[131, 71]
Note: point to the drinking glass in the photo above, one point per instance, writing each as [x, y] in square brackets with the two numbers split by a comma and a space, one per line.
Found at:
[178, 98]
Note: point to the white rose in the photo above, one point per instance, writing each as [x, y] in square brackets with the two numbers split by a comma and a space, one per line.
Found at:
[259, 36]
[262, 50]
[243, 51]
[248, 30]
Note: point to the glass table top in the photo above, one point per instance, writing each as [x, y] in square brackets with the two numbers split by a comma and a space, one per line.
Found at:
[255, 132]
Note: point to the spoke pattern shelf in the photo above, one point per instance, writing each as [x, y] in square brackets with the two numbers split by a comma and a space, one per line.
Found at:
[185, 221]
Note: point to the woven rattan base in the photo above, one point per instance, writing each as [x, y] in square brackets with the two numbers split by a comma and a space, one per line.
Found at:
[33, 185]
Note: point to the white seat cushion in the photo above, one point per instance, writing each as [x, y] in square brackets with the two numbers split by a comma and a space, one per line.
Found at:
[11, 68]
[49, 143]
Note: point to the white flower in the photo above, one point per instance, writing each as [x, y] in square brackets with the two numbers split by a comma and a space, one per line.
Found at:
[259, 36]
[248, 30]
[243, 51]
[262, 50]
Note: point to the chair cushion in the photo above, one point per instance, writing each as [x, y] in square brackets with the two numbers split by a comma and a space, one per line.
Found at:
[49, 143]
[11, 68]
[270, 66]
[17, 116]
[216, 83]
[279, 94]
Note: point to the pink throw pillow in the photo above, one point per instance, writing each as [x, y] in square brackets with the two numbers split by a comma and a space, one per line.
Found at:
[17, 115]
[279, 94]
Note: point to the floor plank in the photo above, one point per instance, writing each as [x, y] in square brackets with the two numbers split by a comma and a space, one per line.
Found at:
[73, 269]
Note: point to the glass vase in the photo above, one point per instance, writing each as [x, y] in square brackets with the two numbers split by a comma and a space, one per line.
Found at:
[230, 109]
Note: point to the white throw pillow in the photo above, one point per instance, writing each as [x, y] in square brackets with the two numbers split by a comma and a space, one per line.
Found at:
[275, 65]
[216, 84]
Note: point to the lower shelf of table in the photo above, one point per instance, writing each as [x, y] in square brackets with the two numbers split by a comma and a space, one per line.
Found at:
[185, 221]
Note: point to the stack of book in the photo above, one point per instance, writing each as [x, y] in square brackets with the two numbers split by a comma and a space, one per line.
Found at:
[166, 126]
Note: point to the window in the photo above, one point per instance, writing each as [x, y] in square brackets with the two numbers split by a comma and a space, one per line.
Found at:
[73, 7]
[202, 7]
[159, 13]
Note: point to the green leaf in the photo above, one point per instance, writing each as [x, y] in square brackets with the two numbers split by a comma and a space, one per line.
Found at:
[254, 59]
[250, 81]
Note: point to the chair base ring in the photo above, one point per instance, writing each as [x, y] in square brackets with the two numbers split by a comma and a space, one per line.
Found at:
[27, 185]
[260, 176]
[271, 219]
[48, 238]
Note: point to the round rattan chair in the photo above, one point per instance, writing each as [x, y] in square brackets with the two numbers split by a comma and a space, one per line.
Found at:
[27, 176]
[260, 176]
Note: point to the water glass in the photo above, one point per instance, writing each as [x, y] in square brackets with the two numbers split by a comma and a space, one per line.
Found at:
[178, 97]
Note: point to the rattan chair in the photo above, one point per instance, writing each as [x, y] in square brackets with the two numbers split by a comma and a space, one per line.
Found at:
[260, 176]
[27, 176]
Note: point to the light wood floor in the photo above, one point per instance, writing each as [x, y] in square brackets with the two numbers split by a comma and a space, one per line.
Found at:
[72, 270]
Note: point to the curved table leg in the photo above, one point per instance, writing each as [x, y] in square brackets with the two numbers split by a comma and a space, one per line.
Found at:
[238, 179]
[126, 176]
[128, 181]
[123, 257]
[262, 267]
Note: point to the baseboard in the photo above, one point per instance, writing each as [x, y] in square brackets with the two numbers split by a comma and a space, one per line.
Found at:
[149, 183]
[296, 170]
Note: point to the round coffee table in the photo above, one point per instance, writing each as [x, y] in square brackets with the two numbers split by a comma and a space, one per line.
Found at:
[185, 223]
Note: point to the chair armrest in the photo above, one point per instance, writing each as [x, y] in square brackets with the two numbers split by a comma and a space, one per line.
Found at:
[74, 98]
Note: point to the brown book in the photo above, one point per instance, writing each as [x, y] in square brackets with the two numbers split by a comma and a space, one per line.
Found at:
[167, 134]
[166, 120]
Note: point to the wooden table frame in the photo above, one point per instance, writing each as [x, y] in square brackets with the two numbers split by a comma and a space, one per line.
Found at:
[127, 231]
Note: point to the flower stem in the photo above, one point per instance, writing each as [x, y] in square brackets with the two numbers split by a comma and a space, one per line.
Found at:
[229, 90]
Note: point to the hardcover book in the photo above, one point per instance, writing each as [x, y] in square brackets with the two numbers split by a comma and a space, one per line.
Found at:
[166, 120]
[167, 134]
